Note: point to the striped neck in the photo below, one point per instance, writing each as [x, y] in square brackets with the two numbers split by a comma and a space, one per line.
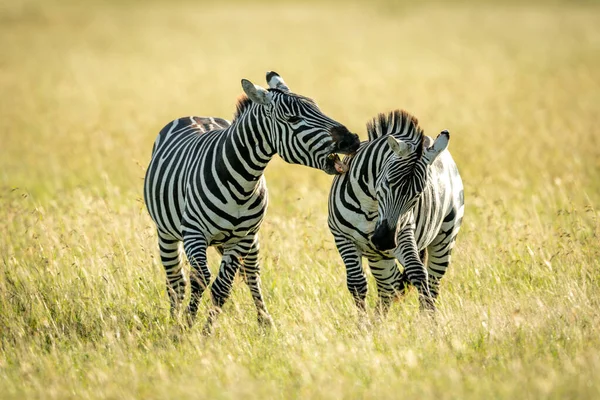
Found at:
[246, 148]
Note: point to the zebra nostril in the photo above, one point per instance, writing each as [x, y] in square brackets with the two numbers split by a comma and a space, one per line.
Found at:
[383, 238]
[354, 142]
[345, 141]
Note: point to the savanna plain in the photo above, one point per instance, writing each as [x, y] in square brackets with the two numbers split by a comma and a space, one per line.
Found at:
[86, 86]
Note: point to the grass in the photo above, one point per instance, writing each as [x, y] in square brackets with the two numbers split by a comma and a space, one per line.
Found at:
[86, 87]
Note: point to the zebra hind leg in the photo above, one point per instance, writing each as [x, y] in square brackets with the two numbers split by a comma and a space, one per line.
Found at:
[195, 249]
[170, 257]
[356, 281]
[440, 251]
[251, 274]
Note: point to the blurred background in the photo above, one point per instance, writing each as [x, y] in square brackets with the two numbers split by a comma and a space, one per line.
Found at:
[85, 87]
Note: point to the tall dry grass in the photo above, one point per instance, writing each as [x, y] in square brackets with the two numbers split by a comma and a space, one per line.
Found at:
[85, 87]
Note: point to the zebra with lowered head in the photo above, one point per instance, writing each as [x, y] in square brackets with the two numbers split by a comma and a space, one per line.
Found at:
[401, 199]
[205, 186]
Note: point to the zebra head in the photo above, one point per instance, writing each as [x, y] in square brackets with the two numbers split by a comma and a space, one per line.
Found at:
[401, 182]
[297, 129]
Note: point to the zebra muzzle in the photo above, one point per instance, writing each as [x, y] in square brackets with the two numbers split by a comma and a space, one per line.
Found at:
[384, 238]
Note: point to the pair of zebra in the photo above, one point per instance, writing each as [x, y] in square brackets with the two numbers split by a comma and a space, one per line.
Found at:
[395, 196]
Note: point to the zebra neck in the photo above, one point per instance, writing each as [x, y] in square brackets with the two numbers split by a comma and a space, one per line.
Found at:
[246, 151]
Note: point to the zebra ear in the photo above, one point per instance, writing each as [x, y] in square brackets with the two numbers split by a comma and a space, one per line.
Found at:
[440, 144]
[275, 81]
[256, 93]
[398, 146]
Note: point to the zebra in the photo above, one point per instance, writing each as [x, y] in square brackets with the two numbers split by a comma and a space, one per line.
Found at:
[205, 186]
[401, 199]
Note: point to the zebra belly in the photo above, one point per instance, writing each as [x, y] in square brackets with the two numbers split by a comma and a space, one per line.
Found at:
[225, 222]
[225, 232]
[173, 218]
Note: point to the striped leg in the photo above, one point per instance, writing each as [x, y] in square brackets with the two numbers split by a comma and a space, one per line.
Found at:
[251, 274]
[355, 276]
[440, 251]
[415, 271]
[195, 250]
[388, 276]
[402, 284]
[170, 257]
[221, 287]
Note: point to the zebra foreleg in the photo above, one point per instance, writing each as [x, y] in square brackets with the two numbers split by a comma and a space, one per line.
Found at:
[221, 287]
[402, 284]
[387, 275]
[170, 257]
[356, 280]
[416, 273]
[251, 273]
[195, 250]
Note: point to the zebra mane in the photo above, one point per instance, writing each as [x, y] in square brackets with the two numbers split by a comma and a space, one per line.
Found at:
[401, 124]
[244, 102]
[395, 122]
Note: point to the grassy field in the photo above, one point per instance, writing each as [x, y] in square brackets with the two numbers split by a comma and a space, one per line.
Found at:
[86, 86]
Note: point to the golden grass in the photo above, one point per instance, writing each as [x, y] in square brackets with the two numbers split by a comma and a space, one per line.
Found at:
[86, 87]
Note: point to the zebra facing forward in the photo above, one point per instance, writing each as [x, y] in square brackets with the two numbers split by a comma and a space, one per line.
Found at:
[206, 187]
[401, 199]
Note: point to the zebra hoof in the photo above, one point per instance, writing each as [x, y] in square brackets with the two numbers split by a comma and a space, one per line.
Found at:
[265, 321]
[427, 306]
[207, 330]
[188, 319]
[364, 324]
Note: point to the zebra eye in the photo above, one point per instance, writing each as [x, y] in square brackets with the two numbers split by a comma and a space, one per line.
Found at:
[294, 119]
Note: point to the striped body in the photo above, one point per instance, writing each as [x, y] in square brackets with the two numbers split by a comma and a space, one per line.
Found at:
[196, 188]
[430, 210]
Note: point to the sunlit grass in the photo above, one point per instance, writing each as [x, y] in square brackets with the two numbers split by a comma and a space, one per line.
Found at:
[86, 87]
